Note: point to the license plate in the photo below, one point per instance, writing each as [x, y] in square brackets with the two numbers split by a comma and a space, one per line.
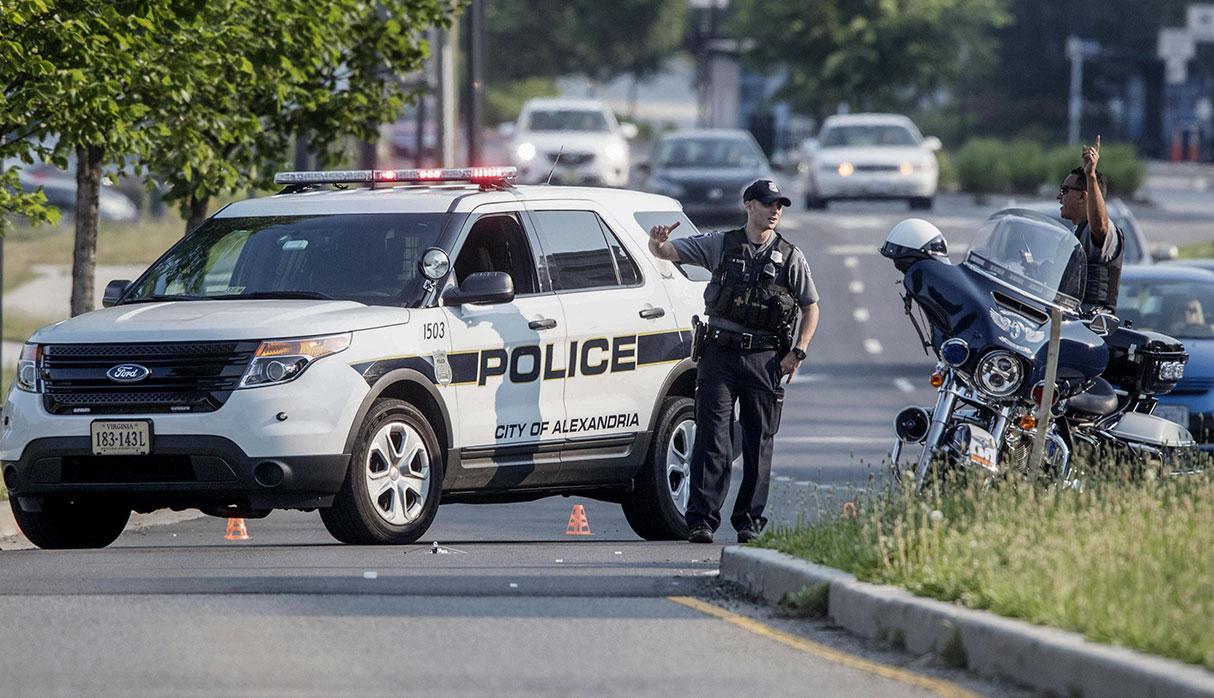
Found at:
[1173, 413]
[131, 437]
[983, 451]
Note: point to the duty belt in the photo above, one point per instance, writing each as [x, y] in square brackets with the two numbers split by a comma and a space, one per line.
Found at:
[742, 340]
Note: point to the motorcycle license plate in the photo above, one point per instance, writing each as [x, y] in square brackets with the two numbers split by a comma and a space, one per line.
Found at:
[129, 437]
[1173, 413]
[983, 452]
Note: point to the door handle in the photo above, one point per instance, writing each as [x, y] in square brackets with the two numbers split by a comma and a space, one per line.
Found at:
[545, 324]
[653, 313]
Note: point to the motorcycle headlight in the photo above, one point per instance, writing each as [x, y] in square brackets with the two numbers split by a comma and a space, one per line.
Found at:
[1171, 371]
[28, 367]
[955, 352]
[282, 360]
[999, 373]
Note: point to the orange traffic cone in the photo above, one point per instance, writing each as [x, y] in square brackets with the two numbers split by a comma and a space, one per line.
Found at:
[578, 525]
[236, 530]
[849, 510]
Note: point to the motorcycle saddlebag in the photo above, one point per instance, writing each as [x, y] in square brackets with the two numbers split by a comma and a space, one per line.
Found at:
[1144, 362]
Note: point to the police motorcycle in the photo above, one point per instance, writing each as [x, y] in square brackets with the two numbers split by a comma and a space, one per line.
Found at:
[988, 323]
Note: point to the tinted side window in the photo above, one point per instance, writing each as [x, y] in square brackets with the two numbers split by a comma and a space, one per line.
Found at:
[575, 250]
[686, 228]
[630, 274]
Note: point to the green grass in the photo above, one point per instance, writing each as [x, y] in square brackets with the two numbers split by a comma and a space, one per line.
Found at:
[1197, 250]
[1124, 563]
[126, 243]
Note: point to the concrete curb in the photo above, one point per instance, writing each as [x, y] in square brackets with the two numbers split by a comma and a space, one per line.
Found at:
[1047, 659]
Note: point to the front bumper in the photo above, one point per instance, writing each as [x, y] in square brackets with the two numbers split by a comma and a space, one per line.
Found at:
[205, 472]
[828, 184]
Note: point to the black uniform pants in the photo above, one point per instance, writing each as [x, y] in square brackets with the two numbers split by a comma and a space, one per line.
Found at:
[753, 379]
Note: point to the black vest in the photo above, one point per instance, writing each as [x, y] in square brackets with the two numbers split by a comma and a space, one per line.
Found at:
[1103, 277]
[753, 291]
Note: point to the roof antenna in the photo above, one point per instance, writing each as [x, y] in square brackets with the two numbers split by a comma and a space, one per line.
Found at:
[555, 160]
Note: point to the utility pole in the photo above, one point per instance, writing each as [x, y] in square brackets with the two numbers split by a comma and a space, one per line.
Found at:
[1077, 50]
[476, 81]
[447, 96]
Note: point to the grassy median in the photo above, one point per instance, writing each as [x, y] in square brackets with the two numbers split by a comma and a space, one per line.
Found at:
[1123, 563]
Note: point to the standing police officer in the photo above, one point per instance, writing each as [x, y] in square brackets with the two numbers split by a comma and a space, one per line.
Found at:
[760, 282]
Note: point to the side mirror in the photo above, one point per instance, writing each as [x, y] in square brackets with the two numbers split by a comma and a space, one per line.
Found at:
[506, 130]
[482, 287]
[1163, 253]
[114, 291]
[628, 130]
[932, 143]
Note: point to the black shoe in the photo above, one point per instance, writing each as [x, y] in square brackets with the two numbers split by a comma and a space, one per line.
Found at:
[700, 534]
[746, 535]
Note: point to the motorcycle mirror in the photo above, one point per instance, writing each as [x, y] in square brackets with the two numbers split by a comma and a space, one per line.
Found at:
[1104, 323]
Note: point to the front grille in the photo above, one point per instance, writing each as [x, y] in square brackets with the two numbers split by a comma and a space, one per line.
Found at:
[571, 158]
[127, 469]
[184, 377]
[877, 168]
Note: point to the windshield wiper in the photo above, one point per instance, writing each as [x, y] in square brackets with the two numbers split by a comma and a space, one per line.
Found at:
[157, 298]
[312, 295]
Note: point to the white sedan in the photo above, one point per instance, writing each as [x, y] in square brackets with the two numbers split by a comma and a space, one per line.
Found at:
[871, 156]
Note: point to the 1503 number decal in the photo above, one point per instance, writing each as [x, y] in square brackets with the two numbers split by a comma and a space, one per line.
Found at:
[434, 330]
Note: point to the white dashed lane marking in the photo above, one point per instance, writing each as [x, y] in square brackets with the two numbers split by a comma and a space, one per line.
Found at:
[860, 314]
[851, 262]
[872, 346]
[856, 286]
[852, 249]
[904, 385]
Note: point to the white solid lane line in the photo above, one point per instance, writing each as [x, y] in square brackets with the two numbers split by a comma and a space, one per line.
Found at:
[872, 346]
[860, 314]
[824, 440]
[853, 249]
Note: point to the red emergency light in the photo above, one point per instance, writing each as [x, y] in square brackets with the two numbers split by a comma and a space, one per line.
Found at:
[475, 175]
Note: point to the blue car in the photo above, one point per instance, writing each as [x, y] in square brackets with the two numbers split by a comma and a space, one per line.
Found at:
[1178, 301]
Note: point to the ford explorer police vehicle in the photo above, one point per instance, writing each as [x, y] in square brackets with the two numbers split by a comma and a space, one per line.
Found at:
[370, 351]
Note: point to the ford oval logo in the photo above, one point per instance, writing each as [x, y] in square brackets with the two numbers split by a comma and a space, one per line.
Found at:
[128, 373]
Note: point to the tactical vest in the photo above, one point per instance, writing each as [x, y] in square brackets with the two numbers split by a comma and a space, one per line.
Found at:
[753, 291]
[1103, 277]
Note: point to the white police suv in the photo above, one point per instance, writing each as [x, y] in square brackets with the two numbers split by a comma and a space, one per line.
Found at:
[372, 351]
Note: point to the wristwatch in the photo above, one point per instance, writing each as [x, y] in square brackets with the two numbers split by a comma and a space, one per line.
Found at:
[796, 351]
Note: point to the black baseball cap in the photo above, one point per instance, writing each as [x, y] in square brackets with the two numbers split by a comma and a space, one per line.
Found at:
[766, 191]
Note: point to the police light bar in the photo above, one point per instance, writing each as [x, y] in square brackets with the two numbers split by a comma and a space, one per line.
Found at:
[476, 175]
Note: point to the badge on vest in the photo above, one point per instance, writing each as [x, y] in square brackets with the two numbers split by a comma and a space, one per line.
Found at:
[776, 257]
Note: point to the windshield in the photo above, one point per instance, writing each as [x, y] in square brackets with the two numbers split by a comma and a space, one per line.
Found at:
[1181, 309]
[675, 153]
[868, 135]
[368, 258]
[567, 120]
[1031, 253]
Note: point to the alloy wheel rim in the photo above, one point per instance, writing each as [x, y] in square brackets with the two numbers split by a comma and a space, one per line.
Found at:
[678, 463]
[397, 473]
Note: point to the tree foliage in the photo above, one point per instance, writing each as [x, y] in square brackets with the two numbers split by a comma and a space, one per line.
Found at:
[872, 54]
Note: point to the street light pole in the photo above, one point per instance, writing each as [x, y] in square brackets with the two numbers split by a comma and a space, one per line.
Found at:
[1077, 50]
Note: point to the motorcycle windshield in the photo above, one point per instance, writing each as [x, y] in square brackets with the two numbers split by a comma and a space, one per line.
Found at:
[1032, 254]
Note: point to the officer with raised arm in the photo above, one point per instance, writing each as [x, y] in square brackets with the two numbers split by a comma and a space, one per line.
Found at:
[1081, 201]
[760, 284]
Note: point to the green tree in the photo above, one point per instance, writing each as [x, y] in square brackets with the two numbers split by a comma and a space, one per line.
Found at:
[329, 70]
[872, 54]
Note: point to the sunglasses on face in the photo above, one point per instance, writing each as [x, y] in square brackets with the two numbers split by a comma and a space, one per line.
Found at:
[1066, 187]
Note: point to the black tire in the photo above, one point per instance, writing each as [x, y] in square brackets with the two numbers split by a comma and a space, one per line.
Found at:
[814, 202]
[921, 203]
[651, 509]
[357, 517]
[67, 523]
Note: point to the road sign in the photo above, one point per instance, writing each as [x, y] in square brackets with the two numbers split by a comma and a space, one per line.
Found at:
[1201, 22]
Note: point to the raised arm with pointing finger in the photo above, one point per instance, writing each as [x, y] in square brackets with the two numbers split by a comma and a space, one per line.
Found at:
[659, 245]
[1098, 215]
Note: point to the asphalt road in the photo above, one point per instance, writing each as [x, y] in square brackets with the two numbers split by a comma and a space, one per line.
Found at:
[510, 604]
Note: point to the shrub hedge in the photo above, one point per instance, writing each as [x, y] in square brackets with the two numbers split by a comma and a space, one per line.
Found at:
[991, 166]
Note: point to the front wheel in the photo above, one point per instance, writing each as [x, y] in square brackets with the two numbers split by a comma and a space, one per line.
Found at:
[656, 508]
[68, 523]
[395, 479]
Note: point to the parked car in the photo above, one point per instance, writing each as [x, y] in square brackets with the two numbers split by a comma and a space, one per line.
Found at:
[578, 141]
[871, 156]
[59, 187]
[1137, 249]
[706, 170]
[1178, 301]
[1207, 264]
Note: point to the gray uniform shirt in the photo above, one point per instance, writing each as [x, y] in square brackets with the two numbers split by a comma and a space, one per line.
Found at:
[706, 249]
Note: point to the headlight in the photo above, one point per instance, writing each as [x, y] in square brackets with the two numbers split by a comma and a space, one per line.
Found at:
[955, 352]
[282, 360]
[907, 168]
[28, 367]
[1169, 370]
[614, 151]
[846, 169]
[999, 373]
[525, 151]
